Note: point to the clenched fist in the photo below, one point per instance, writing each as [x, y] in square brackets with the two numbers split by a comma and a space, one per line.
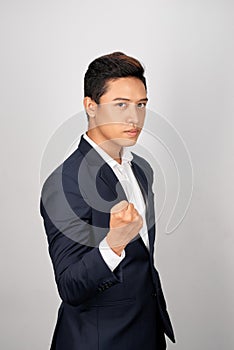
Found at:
[125, 223]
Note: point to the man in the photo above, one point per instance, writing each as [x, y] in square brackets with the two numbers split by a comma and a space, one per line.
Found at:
[98, 210]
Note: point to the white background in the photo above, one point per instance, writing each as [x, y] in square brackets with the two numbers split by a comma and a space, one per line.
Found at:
[187, 48]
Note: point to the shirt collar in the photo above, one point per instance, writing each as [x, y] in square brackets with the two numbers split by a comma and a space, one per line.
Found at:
[126, 155]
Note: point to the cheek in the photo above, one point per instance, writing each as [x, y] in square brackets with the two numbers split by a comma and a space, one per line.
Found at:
[112, 130]
[108, 114]
[104, 116]
[141, 118]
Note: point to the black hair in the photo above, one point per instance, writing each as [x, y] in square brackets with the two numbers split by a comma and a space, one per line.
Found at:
[108, 68]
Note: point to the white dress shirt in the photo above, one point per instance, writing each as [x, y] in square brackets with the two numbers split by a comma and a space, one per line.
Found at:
[133, 193]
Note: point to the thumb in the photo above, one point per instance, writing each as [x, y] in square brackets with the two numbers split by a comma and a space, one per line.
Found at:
[123, 205]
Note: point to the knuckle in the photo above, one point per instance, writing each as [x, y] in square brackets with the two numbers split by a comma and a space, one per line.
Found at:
[131, 206]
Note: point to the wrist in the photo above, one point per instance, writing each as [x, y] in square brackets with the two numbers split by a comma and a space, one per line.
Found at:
[116, 248]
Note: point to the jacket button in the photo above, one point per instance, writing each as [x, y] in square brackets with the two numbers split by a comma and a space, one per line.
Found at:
[154, 294]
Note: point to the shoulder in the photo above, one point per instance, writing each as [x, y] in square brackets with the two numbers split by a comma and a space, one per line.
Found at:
[141, 161]
[66, 172]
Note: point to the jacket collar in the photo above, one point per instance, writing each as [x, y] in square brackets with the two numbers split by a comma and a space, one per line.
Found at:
[126, 155]
[95, 159]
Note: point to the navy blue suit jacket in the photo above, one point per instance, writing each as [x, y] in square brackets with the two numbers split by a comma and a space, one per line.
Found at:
[101, 309]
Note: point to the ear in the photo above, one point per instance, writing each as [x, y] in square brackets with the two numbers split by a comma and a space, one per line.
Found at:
[90, 106]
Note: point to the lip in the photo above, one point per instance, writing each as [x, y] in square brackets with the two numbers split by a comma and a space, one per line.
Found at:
[132, 132]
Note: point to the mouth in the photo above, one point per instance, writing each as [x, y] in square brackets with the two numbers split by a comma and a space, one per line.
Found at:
[132, 132]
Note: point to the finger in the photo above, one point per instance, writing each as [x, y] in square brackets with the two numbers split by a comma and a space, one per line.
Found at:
[123, 205]
[131, 209]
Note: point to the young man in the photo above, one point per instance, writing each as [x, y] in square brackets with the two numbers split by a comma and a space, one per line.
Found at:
[98, 210]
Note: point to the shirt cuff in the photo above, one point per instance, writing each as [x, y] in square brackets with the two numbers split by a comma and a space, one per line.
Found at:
[111, 258]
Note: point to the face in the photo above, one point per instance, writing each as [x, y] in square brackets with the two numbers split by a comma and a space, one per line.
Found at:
[120, 114]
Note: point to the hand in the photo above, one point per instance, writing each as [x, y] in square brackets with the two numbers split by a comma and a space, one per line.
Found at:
[125, 223]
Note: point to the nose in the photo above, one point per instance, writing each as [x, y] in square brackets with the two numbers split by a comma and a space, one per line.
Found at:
[133, 114]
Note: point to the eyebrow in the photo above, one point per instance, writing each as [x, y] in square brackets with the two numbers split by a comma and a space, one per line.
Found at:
[127, 99]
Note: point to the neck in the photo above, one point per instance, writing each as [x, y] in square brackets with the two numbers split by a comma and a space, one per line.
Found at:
[109, 146]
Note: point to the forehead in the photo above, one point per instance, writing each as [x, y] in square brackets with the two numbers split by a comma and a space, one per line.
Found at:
[129, 88]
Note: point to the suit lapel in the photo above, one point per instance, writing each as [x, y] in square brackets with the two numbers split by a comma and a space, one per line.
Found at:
[143, 184]
[107, 175]
[107, 183]
[141, 179]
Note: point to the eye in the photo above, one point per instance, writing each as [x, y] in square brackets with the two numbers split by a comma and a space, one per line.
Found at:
[121, 105]
[141, 105]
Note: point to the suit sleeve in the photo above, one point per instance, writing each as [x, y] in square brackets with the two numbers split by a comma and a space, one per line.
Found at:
[111, 259]
[80, 270]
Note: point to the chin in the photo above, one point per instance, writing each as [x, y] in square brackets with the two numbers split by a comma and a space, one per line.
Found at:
[128, 142]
